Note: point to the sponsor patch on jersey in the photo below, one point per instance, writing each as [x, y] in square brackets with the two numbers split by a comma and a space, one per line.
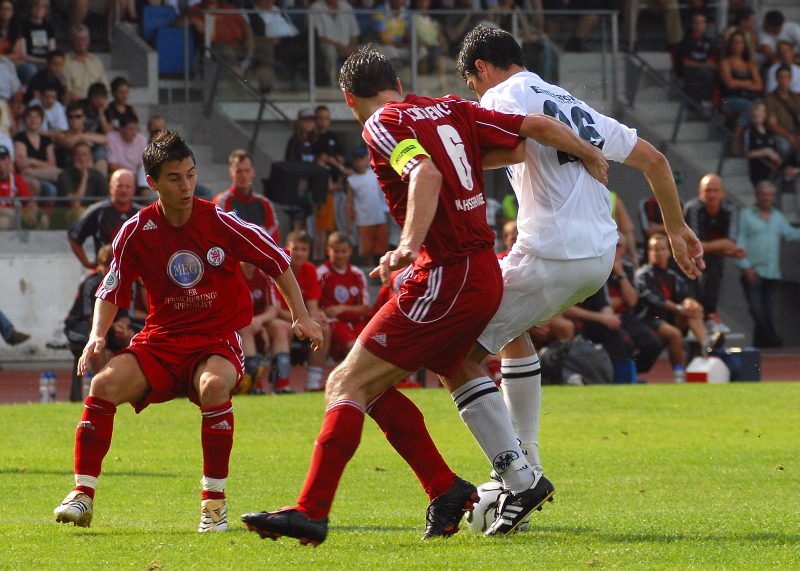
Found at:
[215, 256]
[353, 291]
[185, 268]
[341, 293]
[111, 281]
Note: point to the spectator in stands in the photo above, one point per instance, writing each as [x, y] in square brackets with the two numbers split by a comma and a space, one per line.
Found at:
[12, 42]
[231, 37]
[5, 139]
[713, 218]
[785, 58]
[40, 40]
[155, 124]
[765, 161]
[337, 34]
[322, 125]
[79, 10]
[367, 209]
[390, 23]
[665, 305]
[269, 28]
[125, 148]
[640, 341]
[81, 180]
[331, 214]
[744, 21]
[431, 38]
[35, 154]
[456, 25]
[762, 228]
[103, 220]
[740, 82]
[625, 224]
[650, 217]
[344, 296]
[274, 334]
[776, 28]
[77, 133]
[82, 68]
[300, 145]
[783, 113]
[119, 108]
[94, 109]
[243, 200]
[510, 234]
[584, 25]
[55, 116]
[698, 61]
[10, 86]
[51, 76]
[9, 333]
[13, 185]
[299, 245]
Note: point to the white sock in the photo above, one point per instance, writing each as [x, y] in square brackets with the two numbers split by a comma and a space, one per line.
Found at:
[86, 481]
[482, 410]
[522, 392]
[214, 484]
[313, 376]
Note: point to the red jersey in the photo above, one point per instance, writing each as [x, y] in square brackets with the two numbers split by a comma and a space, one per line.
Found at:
[348, 287]
[455, 133]
[260, 286]
[14, 185]
[191, 273]
[306, 278]
[252, 208]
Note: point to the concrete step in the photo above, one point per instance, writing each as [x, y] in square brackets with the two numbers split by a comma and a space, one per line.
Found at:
[661, 112]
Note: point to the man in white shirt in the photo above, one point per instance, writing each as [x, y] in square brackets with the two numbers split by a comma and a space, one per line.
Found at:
[785, 57]
[567, 237]
[774, 29]
[55, 115]
[337, 32]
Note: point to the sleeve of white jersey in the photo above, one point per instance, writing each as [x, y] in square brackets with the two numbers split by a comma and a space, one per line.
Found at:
[620, 139]
[507, 101]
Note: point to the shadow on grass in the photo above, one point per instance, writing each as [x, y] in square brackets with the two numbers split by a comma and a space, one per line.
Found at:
[38, 472]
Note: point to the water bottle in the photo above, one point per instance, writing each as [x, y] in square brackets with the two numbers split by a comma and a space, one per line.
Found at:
[52, 384]
[44, 387]
[86, 383]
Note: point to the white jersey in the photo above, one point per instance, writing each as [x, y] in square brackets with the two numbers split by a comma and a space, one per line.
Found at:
[564, 213]
[369, 202]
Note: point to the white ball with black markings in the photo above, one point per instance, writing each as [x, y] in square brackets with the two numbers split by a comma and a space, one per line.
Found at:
[483, 513]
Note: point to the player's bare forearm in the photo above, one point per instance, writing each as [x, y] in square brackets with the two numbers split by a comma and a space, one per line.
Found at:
[498, 158]
[423, 200]
[287, 285]
[104, 313]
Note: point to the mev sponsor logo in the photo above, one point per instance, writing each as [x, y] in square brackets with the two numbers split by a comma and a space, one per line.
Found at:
[185, 268]
[470, 203]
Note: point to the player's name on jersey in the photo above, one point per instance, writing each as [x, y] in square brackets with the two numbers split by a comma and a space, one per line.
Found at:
[563, 97]
[434, 112]
[470, 203]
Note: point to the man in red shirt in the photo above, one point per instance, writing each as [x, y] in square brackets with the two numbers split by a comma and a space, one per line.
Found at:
[299, 245]
[241, 200]
[423, 151]
[186, 252]
[13, 185]
[345, 297]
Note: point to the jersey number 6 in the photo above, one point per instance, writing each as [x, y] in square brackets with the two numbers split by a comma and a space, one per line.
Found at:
[458, 155]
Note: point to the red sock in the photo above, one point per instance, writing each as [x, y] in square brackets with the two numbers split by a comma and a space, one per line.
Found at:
[93, 439]
[216, 437]
[335, 445]
[404, 427]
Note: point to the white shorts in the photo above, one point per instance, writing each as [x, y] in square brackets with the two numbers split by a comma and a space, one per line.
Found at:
[537, 289]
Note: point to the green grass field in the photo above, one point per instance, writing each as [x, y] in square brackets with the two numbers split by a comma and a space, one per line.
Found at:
[667, 477]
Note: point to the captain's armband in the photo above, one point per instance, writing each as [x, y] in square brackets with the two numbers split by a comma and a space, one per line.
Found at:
[404, 152]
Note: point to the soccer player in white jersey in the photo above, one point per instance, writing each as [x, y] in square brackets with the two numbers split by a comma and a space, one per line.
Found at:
[567, 237]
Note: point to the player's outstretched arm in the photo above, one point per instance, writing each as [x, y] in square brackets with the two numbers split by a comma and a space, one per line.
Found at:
[423, 199]
[302, 325]
[553, 133]
[686, 248]
[104, 313]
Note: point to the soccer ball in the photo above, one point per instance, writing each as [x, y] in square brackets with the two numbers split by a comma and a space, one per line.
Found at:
[482, 516]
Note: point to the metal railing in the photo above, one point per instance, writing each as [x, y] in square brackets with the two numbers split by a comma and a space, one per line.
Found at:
[637, 68]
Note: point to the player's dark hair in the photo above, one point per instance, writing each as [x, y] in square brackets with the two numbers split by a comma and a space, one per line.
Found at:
[336, 238]
[367, 72]
[166, 146]
[492, 45]
[299, 236]
[774, 19]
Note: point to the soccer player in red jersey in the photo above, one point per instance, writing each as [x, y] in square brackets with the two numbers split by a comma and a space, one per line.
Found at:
[427, 155]
[345, 297]
[187, 253]
[242, 199]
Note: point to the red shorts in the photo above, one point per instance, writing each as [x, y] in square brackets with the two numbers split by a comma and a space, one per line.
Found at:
[169, 362]
[342, 335]
[437, 315]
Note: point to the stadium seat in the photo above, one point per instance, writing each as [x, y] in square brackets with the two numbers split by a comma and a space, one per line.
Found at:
[156, 17]
[169, 46]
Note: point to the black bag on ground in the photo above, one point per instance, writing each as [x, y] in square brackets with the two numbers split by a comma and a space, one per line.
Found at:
[563, 360]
